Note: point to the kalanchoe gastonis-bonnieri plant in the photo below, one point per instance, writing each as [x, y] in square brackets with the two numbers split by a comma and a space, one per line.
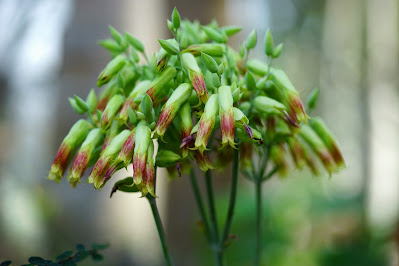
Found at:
[204, 103]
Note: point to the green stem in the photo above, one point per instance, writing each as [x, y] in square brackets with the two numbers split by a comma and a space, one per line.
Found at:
[258, 226]
[200, 204]
[233, 196]
[161, 232]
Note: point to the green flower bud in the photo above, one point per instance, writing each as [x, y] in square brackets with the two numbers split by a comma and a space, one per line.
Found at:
[209, 62]
[149, 177]
[171, 46]
[113, 67]
[91, 101]
[175, 19]
[211, 49]
[214, 35]
[226, 114]
[196, 77]
[74, 139]
[269, 44]
[110, 111]
[75, 106]
[112, 46]
[142, 139]
[251, 40]
[250, 82]
[277, 50]
[166, 158]
[231, 30]
[134, 42]
[157, 89]
[162, 60]
[257, 67]
[267, 105]
[115, 34]
[312, 99]
[82, 104]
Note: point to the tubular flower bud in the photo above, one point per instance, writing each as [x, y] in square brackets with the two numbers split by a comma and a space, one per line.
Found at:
[106, 158]
[277, 155]
[246, 150]
[310, 161]
[106, 95]
[74, 139]
[139, 90]
[111, 69]
[112, 132]
[203, 161]
[169, 110]
[126, 152]
[208, 48]
[162, 60]
[166, 158]
[110, 111]
[143, 139]
[206, 123]
[196, 77]
[150, 171]
[317, 146]
[281, 80]
[297, 152]
[329, 140]
[157, 89]
[268, 105]
[85, 153]
[186, 126]
[226, 114]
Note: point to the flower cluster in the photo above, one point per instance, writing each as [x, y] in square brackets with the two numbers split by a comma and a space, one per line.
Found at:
[199, 98]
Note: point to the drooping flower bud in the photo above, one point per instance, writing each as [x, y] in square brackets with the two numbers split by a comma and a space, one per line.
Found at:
[74, 139]
[186, 126]
[203, 161]
[110, 111]
[111, 69]
[111, 134]
[85, 153]
[208, 48]
[107, 156]
[106, 95]
[162, 60]
[142, 140]
[196, 77]
[317, 145]
[309, 158]
[281, 80]
[150, 172]
[169, 110]
[297, 152]
[157, 89]
[126, 153]
[268, 105]
[140, 89]
[206, 123]
[329, 140]
[226, 115]
[277, 155]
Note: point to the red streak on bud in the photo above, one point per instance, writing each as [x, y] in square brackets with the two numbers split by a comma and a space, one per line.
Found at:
[150, 179]
[60, 162]
[124, 113]
[126, 153]
[198, 82]
[203, 161]
[204, 132]
[139, 163]
[164, 120]
[291, 119]
[102, 103]
[79, 164]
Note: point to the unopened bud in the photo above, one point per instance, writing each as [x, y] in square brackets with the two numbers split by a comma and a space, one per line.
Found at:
[143, 139]
[166, 158]
[226, 114]
[157, 89]
[206, 123]
[207, 48]
[111, 69]
[110, 111]
[196, 77]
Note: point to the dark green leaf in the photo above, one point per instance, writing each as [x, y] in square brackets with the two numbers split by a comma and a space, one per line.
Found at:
[250, 82]
[37, 261]
[80, 247]
[6, 263]
[97, 257]
[64, 255]
[81, 255]
[100, 246]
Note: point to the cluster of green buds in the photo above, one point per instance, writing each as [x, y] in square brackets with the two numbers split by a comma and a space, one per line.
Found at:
[198, 98]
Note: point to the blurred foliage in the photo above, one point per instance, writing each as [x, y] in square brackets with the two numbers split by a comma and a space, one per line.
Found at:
[302, 225]
[68, 258]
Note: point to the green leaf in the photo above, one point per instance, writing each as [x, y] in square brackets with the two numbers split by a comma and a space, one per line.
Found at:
[64, 255]
[134, 42]
[69, 263]
[269, 44]
[251, 40]
[82, 104]
[81, 255]
[175, 19]
[91, 101]
[209, 62]
[75, 106]
[214, 35]
[101, 246]
[277, 50]
[312, 99]
[6, 263]
[135, 56]
[120, 80]
[111, 46]
[132, 116]
[171, 46]
[115, 34]
[170, 25]
[146, 105]
[216, 80]
[37, 261]
[124, 185]
[80, 247]
[231, 30]
[97, 257]
[99, 115]
[250, 82]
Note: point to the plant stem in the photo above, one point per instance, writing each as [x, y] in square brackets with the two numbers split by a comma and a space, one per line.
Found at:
[258, 227]
[161, 232]
[233, 196]
[200, 205]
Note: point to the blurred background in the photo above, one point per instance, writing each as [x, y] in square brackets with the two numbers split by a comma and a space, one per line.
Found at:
[349, 49]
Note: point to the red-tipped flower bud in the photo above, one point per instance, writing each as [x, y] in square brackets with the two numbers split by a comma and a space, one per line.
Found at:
[196, 77]
[226, 114]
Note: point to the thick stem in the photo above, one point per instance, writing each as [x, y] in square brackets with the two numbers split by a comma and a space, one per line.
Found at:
[258, 226]
[233, 195]
[160, 229]
[200, 205]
